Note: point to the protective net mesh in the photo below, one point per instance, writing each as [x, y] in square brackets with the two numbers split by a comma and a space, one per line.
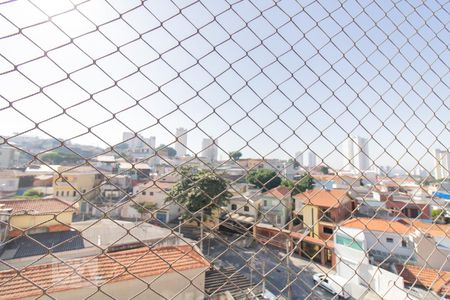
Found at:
[245, 149]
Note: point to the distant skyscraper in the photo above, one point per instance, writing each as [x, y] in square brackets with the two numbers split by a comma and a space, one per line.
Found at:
[299, 157]
[356, 154]
[180, 146]
[150, 141]
[209, 149]
[310, 160]
[442, 164]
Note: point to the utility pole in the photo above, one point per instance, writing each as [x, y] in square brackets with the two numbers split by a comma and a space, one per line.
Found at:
[179, 225]
[201, 231]
[289, 290]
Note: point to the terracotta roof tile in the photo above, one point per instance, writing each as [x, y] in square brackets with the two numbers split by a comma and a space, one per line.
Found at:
[438, 281]
[397, 226]
[97, 271]
[323, 197]
[280, 192]
[36, 206]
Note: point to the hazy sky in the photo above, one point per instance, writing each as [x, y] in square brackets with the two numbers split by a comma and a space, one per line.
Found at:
[269, 77]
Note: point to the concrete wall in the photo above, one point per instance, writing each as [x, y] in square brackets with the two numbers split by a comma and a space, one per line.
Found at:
[27, 221]
[240, 203]
[169, 286]
[310, 218]
[155, 196]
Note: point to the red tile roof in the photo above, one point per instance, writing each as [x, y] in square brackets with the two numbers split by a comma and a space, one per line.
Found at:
[324, 198]
[377, 225]
[36, 206]
[280, 192]
[397, 226]
[438, 281]
[100, 270]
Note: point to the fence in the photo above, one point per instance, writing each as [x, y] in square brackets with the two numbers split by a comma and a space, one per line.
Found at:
[302, 149]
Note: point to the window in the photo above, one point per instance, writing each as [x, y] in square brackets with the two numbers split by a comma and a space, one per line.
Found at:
[150, 193]
[57, 193]
[246, 208]
[389, 240]
[404, 244]
[265, 202]
[327, 230]
[74, 193]
[233, 206]
[144, 193]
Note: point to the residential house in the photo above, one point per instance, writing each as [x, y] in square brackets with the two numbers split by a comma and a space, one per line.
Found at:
[137, 273]
[321, 210]
[153, 192]
[106, 163]
[77, 183]
[409, 209]
[368, 252]
[241, 212]
[399, 241]
[84, 238]
[276, 206]
[137, 171]
[37, 215]
[115, 187]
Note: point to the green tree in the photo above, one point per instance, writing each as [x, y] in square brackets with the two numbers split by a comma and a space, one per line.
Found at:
[200, 191]
[235, 155]
[143, 208]
[171, 152]
[299, 186]
[324, 170]
[32, 193]
[264, 178]
[294, 163]
[59, 156]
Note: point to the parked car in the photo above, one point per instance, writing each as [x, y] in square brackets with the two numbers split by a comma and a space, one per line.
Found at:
[332, 283]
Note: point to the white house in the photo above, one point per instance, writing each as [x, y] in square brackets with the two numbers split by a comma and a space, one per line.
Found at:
[153, 192]
[362, 245]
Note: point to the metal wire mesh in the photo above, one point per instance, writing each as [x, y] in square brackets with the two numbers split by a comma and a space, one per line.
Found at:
[285, 98]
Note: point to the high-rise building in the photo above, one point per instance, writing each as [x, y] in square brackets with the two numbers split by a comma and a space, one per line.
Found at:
[310, 160]
[180, 146]
[299, 157]
[150, 142]
[209, 149]
[356, 154]
[442, 164]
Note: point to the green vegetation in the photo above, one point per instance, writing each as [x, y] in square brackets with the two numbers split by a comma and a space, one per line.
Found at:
[299, 186]
[324, 170]
[32, 193]
[264, 178]
[171, 152]
[200, 191]
[235, 155]
[60, 156]
[143, 208]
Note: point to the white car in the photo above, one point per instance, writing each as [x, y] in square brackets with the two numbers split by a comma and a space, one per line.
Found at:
[332, 283]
